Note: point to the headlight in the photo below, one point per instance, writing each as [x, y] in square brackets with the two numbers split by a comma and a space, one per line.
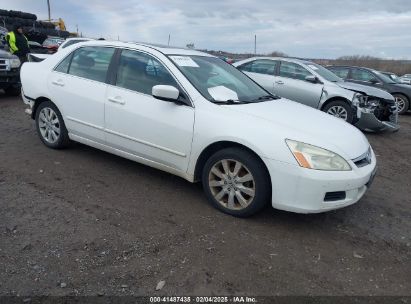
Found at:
[312, 157]
[364, 101]
[15, 63]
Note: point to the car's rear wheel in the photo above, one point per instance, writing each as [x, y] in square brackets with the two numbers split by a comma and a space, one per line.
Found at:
[51, 127]
[340, 109]
[236, 182]
[402, 102]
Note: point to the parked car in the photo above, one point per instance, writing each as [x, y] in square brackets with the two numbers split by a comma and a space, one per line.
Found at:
[198, 117]
[373, 78]
[9, 73]
[406, 79]
[52, 44]
[37, 48]
[313, 85]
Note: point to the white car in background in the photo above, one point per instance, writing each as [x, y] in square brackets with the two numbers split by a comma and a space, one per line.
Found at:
[195, 116]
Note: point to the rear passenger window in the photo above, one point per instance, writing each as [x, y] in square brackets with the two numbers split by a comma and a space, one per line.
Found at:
[293, 70]
[140, 72]
[266, 67]
[91, 63]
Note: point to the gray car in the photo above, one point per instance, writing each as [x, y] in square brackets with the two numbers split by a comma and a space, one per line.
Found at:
[311, 84]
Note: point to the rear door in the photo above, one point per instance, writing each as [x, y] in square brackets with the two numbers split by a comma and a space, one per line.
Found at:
[261, 71]
[78, 86]
[291, 84]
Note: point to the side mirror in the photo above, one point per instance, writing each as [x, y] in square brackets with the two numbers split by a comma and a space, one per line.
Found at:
[374, 81]
[166, 93]
[311, 78]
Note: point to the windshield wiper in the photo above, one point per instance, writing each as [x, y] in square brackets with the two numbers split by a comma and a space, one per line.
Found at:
[230, 102]
[265, 98]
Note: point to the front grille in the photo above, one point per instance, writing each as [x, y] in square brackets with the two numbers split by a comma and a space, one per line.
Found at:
[334, 196]
[363, 160]
[4, 65]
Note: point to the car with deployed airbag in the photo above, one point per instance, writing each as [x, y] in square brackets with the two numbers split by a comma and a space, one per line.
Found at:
[193, 115]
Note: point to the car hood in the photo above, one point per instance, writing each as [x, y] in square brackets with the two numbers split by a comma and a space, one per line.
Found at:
[302, 123]
[370, 91]
[6, 55]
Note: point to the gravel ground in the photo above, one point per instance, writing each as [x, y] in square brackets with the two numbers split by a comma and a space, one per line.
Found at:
[84, 222]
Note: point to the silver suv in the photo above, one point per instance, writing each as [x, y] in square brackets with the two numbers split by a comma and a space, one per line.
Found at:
[313, 85]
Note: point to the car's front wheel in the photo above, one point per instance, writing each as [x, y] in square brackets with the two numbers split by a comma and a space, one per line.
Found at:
[50, 126]
[340, 109]
[402, 102]
[236, 182]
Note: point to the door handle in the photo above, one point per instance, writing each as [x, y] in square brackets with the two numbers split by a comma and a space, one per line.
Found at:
[59, 83]
[116, 100]
[279, 82]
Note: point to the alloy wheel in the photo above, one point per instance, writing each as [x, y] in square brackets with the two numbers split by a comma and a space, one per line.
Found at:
[231, 184]
[400, 103]
[338, 111]
[49, 125]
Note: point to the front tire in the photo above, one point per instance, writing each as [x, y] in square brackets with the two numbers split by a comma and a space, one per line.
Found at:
[403, 104]
[51, 127]
[236, 182]
[340, 109]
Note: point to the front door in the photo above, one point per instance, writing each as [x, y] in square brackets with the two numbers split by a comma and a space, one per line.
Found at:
[137, 123]
[291, 84]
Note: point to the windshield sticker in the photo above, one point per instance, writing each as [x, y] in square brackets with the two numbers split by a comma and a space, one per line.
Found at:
[313, 67]
[184, 61]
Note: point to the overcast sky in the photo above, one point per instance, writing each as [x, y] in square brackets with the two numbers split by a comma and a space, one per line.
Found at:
[303, 28]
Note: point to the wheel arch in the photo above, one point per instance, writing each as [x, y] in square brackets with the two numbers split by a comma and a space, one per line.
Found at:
[37, 103]
[217, 146]
[335, 98]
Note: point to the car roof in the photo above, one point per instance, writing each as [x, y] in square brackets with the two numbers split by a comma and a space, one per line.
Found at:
[352, 66]
[289, 59]
[167, 50]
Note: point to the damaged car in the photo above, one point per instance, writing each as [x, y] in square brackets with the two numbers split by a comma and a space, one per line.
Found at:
[306, 82]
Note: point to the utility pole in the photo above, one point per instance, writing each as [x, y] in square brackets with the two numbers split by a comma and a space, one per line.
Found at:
[255, 44]
[48, 7]
[169, 37]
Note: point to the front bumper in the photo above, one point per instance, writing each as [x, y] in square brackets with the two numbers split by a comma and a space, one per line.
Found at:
[383, 118]
[301, 190]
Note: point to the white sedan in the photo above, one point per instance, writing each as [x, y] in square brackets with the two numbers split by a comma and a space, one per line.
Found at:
[195, 116]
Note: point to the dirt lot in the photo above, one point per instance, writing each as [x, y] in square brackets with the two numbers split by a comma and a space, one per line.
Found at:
[84, 222]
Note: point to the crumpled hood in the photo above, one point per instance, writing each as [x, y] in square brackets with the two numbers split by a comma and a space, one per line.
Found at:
[299, 122]
[370, 91]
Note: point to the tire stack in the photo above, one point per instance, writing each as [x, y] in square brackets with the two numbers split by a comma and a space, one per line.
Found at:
[34, 30]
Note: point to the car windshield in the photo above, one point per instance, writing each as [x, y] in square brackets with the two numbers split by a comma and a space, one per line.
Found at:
[323, 72]
[384, 78]
[219, 81]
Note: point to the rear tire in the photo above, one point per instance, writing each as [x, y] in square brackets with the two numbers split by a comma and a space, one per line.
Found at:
[340, 109]
[236, 182]
[50, 126]
[403, 104]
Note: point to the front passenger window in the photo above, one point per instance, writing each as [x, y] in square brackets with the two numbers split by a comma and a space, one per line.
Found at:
[140, 72]
[293, 70]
